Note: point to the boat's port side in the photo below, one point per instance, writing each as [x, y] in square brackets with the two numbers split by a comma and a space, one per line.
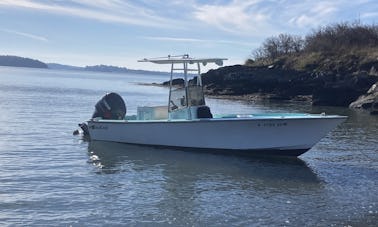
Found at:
[272, 116]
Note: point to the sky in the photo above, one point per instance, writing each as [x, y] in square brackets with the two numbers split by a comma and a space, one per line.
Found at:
[120, 32]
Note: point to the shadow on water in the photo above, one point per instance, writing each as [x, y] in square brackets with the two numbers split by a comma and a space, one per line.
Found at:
[110, 158]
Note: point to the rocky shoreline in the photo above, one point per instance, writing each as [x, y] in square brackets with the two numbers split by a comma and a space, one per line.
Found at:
[240, 82]
[368, 101]
[273, 83]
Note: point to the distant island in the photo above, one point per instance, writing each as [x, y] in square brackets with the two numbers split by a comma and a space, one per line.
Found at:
[103, 68]
[16, 61]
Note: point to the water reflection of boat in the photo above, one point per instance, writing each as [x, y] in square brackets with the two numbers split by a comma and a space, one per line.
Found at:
[187, 122]
[112, 157]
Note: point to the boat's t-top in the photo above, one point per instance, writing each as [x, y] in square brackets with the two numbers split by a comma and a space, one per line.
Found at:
[186, 98]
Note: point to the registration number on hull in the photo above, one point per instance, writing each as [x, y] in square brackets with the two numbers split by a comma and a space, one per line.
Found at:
[272, 124]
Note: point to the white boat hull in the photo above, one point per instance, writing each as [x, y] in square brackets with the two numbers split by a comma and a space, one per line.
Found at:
[289, 136]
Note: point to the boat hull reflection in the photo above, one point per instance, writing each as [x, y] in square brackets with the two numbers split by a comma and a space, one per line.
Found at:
[111, 158]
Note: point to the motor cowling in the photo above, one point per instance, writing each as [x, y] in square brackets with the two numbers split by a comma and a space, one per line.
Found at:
[110, 106]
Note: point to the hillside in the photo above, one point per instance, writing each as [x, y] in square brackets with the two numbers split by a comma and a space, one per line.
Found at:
[15, 61]
[338, 49]
[332, 66]
[63, 67]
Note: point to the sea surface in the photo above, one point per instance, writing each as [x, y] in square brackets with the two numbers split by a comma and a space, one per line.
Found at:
[49, 177]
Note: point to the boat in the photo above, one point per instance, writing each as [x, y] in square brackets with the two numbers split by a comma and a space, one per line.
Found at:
[187, 122]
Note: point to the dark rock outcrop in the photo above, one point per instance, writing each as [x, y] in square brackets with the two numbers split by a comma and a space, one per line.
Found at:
[368, 101]
[175, 82]
[342, 91]
[241, 80]
[326, 88]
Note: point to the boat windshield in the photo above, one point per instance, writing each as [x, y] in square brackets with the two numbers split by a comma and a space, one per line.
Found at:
[182, 97]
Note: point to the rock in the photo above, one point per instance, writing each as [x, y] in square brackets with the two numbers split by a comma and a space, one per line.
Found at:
[244, 80]
[373, 89]
[336, 95]
[175, 82]
[327, 87]
[368, 101]
[374, 109]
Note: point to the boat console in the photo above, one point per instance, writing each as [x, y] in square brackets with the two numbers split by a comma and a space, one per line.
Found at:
[186, 100]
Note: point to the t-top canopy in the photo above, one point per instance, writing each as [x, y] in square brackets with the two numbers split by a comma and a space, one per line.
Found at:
[183, 59]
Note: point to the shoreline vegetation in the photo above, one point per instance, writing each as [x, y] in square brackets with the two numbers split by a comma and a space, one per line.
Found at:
[335, 65]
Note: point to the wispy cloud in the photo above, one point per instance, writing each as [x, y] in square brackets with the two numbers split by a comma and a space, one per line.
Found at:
[369, 15]
[173, 39]
[27, 35]
[193, 40]
[312, 14]
[240, 18]
[107, 11]
[264, 18]
[237, 17]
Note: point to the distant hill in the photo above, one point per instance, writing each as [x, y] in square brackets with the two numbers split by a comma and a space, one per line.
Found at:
[106, 68]
[15, 61]
[103, 68]
[63, 67]
[116, 69]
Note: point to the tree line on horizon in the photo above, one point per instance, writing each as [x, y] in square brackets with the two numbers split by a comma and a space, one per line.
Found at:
[336, 38]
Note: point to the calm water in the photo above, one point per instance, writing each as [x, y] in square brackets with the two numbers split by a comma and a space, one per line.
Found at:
[50, 177]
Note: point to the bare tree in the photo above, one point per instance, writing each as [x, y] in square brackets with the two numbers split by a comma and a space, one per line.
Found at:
[275, 47]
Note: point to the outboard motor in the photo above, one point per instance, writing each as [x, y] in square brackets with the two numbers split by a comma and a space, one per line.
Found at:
[111, 106]
[204, 112]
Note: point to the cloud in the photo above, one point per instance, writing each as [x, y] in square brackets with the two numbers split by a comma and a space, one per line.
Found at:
[369, 15]
[27, 35]
[107, 11]
[241, 18]
[237, 17]
[173, 39]
[193, 40]
[312, 14]
[257, 18]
